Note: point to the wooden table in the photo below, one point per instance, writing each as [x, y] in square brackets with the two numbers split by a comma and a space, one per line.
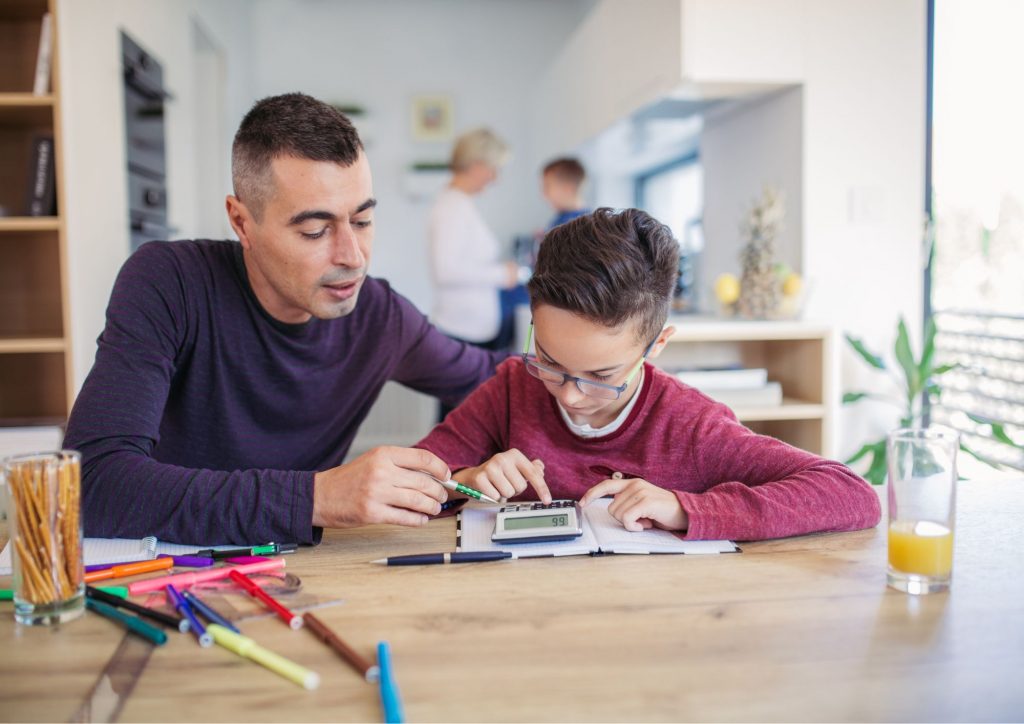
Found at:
[797, 629]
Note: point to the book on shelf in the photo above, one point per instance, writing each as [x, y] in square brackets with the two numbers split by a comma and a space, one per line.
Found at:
[42, 189]
[726, 378]
[44, 58]
[768, 395]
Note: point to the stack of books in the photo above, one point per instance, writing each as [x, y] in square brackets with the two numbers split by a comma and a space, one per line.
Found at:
[735, 387]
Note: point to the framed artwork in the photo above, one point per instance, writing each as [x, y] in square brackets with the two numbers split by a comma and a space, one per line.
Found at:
[432, 118]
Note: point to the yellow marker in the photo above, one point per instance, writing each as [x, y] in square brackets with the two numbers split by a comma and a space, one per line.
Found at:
[249, 649]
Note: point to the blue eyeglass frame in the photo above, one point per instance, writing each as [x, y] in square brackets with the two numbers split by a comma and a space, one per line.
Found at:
[582, 384]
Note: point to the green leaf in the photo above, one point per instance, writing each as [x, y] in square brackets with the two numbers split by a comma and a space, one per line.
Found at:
[906, 359]
[861, 453]
[978, 456]
[870, 357]
[877, 470]
[851, 397]
[943, 369]
[999, 433]
[924, 369]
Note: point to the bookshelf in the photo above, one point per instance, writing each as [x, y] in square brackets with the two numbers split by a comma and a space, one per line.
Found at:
[798, 355]
[35, 369]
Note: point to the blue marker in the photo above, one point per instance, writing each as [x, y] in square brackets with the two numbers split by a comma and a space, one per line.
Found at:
[207, 611]
[389, 697]
[205, 639]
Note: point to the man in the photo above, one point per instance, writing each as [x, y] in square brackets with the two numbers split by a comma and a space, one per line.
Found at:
[232, 377]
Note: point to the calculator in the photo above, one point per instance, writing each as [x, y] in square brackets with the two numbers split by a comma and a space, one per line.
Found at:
[537, 522]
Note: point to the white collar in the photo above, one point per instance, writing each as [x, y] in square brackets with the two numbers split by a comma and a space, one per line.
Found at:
[585, 430]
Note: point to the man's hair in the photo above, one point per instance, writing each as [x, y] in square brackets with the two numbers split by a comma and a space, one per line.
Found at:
[292, 124]
[609, 267]
[481, 145]
[567, 169]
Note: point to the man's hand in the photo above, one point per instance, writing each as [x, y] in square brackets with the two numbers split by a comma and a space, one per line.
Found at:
[639, 505]
[386, 485]
[506, 475]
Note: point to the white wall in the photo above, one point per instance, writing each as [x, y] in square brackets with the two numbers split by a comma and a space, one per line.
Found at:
[742, 149]
[861, 70]
[486, 55]
[93, 121]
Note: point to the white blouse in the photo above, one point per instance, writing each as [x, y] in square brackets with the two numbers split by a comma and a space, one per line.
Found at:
[467, 269]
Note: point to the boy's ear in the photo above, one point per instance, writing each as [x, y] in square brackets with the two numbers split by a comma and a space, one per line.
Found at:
[663, 338]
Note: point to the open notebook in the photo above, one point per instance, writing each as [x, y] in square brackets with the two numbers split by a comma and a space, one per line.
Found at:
[117, 550]
[601, 534]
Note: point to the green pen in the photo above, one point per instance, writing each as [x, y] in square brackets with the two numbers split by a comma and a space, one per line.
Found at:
[134, 624]
[270, 549]
[459, 488]
[7, 594]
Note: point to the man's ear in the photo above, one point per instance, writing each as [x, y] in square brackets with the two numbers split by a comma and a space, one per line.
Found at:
[240, 218]
[663, 338]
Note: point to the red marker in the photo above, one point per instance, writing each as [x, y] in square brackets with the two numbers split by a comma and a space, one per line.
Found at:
[255, 591]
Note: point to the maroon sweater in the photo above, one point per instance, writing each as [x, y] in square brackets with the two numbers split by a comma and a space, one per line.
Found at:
[731, 482]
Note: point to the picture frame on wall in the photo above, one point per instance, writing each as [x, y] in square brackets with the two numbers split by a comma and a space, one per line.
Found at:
[432, 118]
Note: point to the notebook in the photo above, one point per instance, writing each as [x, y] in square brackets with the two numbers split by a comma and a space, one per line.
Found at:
[117, 550]
[601, 534]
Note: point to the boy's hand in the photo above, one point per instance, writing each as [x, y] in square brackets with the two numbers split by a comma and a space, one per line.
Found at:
[506, 475]
[639, 505]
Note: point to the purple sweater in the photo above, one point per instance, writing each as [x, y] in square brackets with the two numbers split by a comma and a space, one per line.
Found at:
[204, 419]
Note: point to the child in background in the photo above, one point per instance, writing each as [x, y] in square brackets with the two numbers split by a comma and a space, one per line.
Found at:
[587, 416]
[561, 184]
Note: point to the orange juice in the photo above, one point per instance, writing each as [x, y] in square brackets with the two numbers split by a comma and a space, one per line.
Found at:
[921, 547]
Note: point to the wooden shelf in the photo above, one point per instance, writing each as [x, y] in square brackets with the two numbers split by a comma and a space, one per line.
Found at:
[23, 345]
[797, 355]
[35, 371]
[29, 223]
[26, 110]
[790, 409]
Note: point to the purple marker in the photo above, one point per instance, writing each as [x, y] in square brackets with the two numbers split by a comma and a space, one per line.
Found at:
[189, 561]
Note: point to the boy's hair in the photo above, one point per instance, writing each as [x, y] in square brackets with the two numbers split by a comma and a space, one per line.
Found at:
[609, 267]
[292, 124]
[481, 145]
[567, 169]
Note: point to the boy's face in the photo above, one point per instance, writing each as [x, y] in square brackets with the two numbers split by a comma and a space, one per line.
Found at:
[581, 348]
[559, 193]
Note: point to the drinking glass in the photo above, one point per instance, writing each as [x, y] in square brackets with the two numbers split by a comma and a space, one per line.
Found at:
[45, 523]
[922, 508]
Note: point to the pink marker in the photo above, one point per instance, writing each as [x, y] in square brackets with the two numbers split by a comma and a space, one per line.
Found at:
[184, 580]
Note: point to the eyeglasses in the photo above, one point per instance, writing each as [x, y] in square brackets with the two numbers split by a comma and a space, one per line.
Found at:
[591, 388]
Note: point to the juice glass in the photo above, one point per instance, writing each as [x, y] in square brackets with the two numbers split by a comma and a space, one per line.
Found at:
[922, 508]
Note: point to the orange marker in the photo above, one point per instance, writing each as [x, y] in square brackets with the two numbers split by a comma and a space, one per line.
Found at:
[130, 569]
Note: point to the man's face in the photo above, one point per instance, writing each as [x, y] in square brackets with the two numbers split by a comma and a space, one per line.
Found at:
[308, 254]
[568, 343]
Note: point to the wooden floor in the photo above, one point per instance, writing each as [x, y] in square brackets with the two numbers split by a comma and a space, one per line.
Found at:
[792, 630]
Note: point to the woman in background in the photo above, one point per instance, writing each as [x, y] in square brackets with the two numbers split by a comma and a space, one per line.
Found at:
[465, 254]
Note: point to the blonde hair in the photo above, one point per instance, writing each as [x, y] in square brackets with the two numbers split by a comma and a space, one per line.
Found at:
[480, 145]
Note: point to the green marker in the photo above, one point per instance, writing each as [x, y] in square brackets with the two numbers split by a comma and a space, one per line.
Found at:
[132, 623]
[7, 594]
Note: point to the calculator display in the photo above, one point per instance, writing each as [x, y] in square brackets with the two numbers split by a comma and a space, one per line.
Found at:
[540, 521]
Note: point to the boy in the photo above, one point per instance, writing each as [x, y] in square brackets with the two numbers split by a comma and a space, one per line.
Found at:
[561, 184]
[587, 416]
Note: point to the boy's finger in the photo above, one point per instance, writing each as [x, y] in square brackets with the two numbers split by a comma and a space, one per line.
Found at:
[632, 513]
[510, 468]
[605, 487]
[535, 474]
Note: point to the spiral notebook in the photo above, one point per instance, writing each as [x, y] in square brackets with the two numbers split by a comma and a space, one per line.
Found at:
[117, 550]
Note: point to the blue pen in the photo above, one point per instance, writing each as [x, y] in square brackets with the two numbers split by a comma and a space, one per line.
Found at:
[389, 697]
[205, 639]
[207, 611]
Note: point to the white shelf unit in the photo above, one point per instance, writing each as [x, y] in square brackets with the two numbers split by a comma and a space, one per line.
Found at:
[798, 355]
